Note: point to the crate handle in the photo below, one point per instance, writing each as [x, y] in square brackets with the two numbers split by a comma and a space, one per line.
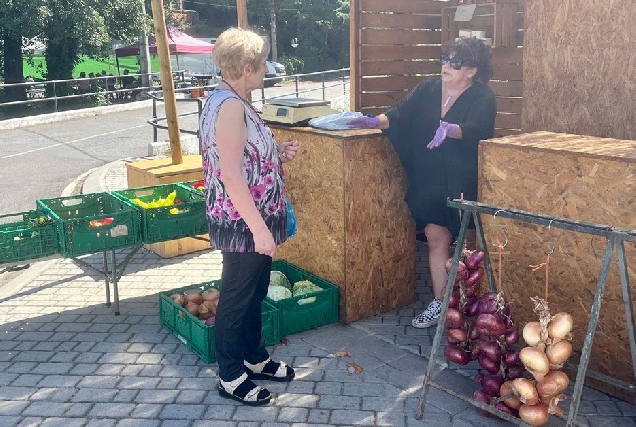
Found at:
[71, 202]
[141, 193]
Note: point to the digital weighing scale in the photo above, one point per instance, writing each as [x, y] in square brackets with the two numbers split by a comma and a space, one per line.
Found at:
[295, 111]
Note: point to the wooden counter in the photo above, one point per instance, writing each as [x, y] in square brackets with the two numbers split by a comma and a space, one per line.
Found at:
[354, 227]
[579, 177]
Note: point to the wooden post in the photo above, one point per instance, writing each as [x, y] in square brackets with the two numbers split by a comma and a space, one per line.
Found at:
[170, 103]
[241, 12]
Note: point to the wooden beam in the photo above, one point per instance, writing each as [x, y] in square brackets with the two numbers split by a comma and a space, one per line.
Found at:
[170, 103]
[241, 13]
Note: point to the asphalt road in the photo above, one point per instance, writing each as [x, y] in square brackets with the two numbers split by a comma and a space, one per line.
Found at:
[39, 161]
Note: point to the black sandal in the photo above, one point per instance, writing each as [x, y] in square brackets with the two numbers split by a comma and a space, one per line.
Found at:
[245, 391]
[269, 370]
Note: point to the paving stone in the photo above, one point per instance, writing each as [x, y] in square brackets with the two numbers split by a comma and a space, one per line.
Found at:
[352, 417]
[63, 422]
[118, 358]
[88, 357]
[328, 387]
[182, 411]
[156, 396]
[300, 387]
[90, 395]
[78, 409]
[16, 393]
[103, 422]
[30, 421]
[58, 381]
[52, 368]
[21, 367]
[9, 421]
[110, 409]
[219, 412]
[191, 396]
[340, 402]
[12, 407]
[293, 415]
[136, 422]
[6, 379]
[297, 400]
[255, 413]
[82, 369]
[147, 410]
[32, 356]
[45, 409]
[99, 381]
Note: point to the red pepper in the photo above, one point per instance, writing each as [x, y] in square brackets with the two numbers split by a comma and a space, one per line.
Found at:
[101, 222]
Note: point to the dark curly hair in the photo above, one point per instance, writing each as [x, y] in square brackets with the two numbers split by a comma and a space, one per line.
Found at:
[475, 53]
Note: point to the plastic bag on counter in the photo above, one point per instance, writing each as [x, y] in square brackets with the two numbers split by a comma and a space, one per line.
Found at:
[335, 121]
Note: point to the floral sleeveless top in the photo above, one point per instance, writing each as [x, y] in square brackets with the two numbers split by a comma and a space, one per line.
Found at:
[262, 170]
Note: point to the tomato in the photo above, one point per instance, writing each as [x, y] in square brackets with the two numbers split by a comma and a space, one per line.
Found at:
[101, 222]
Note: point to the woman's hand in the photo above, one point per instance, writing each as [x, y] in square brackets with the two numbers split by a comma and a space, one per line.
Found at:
[287, 150]
[264, 243]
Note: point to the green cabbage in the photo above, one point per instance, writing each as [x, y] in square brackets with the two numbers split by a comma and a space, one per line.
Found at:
[277, 293]
[277, 278]
[305, 287]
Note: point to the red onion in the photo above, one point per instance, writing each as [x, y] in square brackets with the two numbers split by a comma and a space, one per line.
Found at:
[491, 325]
[472, 308]
[455, 354]
[473, 290]
[472, 261]
[474, 277]
[462, 272]
[512, 358]
[507, 409]
[488, 303]
[491, 384]
[454, 319]
[492, 350]
[515, 371]
[475, 348]
[453, 301]
[456, 335]
[473, 333]
[512, 337]
[489, 365]
[483, 397]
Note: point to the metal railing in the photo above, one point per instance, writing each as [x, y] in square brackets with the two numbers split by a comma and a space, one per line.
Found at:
[342, 79]
[58, 95]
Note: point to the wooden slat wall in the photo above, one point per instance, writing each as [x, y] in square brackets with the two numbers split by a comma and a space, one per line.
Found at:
[396, 44]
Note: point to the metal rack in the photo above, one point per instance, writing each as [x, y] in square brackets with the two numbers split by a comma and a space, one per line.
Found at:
[615, 240]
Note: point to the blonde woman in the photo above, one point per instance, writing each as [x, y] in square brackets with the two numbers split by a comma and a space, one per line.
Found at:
[246, 210]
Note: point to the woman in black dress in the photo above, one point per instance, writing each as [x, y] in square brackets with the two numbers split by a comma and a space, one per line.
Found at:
[435, 131]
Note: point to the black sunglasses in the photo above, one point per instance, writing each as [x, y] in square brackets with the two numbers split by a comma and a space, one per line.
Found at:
[455, 62]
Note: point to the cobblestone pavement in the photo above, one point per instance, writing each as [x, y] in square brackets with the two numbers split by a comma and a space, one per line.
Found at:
[67, 360]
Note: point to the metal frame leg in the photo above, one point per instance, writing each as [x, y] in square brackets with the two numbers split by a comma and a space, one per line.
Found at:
[105, 266]
[114, 280]
[627, 299]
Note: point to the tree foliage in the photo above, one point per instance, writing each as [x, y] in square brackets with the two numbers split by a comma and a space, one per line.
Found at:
[320, 26]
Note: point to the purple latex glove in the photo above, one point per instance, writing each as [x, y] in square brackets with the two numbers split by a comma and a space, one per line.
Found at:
[440, 135]
[364, 122]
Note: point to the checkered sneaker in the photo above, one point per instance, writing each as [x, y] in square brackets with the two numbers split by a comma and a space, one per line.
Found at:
[428, 317]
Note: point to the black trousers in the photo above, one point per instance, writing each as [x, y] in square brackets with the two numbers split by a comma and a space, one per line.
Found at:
[244, 283]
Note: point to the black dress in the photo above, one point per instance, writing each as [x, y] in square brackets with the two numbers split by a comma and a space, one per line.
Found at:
[451, 169]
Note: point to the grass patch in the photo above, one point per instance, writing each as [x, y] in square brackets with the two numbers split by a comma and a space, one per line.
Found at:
[36, 66]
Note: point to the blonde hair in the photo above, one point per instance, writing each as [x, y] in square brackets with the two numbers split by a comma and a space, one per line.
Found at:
[235, 48]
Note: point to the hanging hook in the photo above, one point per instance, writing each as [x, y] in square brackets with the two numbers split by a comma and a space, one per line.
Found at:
[497, 241]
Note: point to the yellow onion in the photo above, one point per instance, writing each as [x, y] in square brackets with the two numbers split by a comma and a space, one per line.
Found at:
[194, 297]
[535, 361]
[211, 294]
[211, 305]
[560, 325]
[192, 308]
[535, 415]
[178, 298]
[552, 385]
[532, 334]
[559, 353]
[506, 390]
[525, 389]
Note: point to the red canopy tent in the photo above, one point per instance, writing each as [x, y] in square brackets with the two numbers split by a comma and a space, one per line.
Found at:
[178, 42]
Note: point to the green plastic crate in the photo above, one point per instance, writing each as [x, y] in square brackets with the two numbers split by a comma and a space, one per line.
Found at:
[159, 224]
[188, 185]
[297, 317]
[94, 222]
[195, 334]
[23, 237]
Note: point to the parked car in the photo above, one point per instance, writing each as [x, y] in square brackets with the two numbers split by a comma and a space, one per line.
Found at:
[275, 73]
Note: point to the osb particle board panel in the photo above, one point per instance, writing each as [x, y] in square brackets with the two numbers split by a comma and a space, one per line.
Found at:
[380, 243]
[315, 183]
[578, 77]
[354, 228]
[572, 176]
